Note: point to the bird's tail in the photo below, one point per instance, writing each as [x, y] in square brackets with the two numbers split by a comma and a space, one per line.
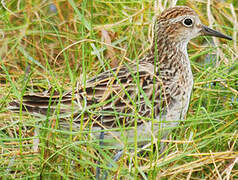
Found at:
[42, 104]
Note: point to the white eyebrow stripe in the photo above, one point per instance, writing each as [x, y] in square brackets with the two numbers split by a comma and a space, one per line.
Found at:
[177, 19]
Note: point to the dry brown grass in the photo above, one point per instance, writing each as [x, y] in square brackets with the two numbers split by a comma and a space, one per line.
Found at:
[41, 50]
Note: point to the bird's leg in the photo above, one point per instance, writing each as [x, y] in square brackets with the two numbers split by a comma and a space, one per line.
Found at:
[115, 159]
[101, 138]
[163, 144]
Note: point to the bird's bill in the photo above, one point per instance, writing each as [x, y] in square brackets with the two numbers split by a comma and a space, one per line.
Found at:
[206, 31]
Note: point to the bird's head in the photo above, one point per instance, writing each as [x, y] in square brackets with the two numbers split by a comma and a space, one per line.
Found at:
[181, 24]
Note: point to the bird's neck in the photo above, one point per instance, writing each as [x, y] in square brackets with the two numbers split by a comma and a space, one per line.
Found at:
[172, 67]
[167, 55]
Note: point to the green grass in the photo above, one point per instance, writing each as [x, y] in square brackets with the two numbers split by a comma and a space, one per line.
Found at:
[41, 49]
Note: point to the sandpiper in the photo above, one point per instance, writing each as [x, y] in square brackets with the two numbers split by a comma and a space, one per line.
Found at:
[141, 99]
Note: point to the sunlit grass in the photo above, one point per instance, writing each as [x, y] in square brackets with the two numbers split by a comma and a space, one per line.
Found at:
[46, 45]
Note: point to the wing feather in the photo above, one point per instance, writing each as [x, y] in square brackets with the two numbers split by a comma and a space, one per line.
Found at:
[119, 93]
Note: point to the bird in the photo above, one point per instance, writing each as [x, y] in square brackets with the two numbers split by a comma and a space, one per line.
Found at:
[138, 100]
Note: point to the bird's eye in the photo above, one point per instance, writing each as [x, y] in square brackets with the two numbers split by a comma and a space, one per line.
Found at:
[188, 22]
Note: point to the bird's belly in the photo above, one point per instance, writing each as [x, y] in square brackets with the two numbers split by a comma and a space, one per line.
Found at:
[186, 98]
[178, 108]
[157, 128]
[124, 137]
[144, 132]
